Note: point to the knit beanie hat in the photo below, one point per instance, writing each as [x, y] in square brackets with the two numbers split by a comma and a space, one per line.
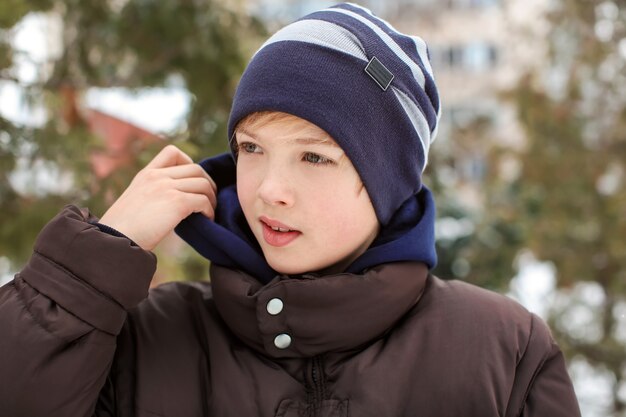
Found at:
[370, 87]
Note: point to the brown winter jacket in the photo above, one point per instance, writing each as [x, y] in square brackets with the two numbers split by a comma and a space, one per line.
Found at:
[80, 336]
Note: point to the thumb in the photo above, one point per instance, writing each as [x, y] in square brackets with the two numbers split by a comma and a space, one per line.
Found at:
[169, 156]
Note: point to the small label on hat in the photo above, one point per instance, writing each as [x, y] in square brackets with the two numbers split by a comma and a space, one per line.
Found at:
[379, 73]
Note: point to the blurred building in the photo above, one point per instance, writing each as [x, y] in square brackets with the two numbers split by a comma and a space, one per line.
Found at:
[468, 43]
[118, 136]
[479, 50]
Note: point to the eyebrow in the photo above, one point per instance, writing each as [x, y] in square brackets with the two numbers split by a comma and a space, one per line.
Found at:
[299, 140]
[314, 141]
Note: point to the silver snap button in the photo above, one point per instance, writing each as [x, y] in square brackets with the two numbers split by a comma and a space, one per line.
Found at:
[275, 306]
[282, 341]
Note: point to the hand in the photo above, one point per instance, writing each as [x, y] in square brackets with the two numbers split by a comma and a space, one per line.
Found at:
[167, 190]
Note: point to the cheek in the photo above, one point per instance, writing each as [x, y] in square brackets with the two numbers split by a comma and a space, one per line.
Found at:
[346, 213]
[246, 186]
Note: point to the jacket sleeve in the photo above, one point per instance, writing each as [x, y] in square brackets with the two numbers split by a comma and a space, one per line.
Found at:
[542, 385]
[60, 316]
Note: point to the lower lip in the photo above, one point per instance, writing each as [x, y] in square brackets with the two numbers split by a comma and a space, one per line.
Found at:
[278, 239]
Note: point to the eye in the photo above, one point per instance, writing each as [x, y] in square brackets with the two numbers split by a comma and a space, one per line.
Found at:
[316, 159]
[248, 147]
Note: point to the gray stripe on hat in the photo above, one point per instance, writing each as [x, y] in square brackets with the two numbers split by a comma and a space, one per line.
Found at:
[395, 48]
[322, 33]
[422, 51]
[420, 45]
[418, 120]
[433, 134]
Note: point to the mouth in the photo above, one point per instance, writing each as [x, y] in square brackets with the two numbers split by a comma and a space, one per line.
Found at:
[276, 233]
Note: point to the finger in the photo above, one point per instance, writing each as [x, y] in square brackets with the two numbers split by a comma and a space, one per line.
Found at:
[197, 186]
[213, 185]
[169, 156]
[199, 203]
[186, 171]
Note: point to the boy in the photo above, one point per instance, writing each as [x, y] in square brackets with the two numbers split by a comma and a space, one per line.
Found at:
[321, 237]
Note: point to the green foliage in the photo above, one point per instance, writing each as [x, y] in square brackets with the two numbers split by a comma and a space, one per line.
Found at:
[11, 11]
[559, 188]
[5, 55]
[201, 46]
[567, 202]
[484, 255]
[570, 197]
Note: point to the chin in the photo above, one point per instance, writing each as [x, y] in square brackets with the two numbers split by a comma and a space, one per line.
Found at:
[285, 268]
[292, 265]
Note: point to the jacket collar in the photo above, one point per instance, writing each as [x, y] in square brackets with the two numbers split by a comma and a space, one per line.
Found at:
[310, 315]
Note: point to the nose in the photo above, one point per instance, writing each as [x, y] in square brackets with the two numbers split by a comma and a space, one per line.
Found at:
[276, 187]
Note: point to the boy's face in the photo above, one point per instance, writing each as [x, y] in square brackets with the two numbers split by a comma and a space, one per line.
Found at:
[301, 196]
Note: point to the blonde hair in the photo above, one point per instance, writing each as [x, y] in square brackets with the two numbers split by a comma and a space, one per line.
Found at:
[261, 117]
[256, 119]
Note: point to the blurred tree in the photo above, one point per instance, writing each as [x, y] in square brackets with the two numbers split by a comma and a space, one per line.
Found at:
[568, 202]
[485, 239]
[201, 46]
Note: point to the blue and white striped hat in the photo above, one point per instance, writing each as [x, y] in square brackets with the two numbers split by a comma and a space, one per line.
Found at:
[370, 87]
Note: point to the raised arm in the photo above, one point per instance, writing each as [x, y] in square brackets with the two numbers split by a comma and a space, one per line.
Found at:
[60, 316]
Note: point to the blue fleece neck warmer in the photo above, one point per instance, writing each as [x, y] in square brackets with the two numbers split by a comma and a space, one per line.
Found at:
[228, 241]
[370, 87]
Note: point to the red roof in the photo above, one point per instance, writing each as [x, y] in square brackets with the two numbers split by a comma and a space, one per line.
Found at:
[120, 137]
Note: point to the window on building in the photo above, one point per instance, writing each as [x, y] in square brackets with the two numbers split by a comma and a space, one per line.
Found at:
[473, 57]
[472, 167]
[455, 57]
[471, 4]
[462, 116]
[479, 56]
